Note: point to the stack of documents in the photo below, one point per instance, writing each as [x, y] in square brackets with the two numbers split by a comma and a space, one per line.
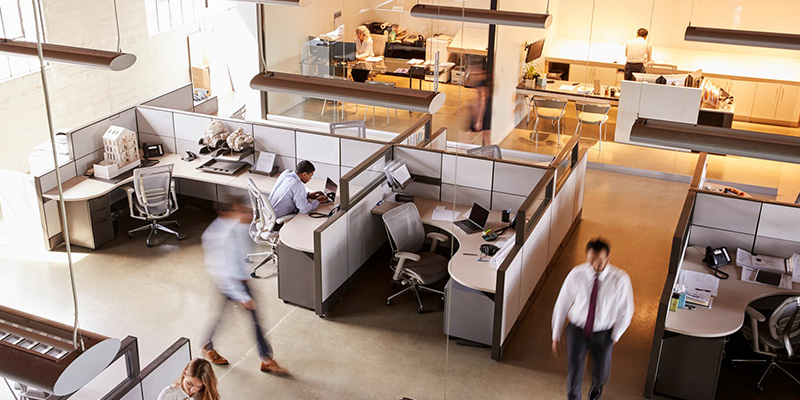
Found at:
[752, 265]
[746, 259]
[700, 287]
[442, 214]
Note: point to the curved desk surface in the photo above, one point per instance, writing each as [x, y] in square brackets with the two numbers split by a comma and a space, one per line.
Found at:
[465, 269]
[298, 233]
[81, 188]
[726, 314]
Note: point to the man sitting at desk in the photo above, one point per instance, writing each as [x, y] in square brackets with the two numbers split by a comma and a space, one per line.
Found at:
[290, 196]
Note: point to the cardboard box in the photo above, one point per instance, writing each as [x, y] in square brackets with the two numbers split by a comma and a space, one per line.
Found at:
[201, 78]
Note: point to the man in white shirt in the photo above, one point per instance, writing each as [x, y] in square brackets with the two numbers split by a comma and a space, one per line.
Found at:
[290, 196]
[638, 53]
[597, 298]
[225, 245]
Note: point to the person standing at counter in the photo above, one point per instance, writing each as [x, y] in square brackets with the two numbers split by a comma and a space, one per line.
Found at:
[638, 53]
[597, 299]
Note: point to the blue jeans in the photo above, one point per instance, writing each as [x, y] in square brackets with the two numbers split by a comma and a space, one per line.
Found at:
[264, 349]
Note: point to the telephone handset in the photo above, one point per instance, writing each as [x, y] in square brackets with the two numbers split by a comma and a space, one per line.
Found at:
[715, 258]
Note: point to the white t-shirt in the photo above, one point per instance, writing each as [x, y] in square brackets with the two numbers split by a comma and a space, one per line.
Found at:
[364, 49]
[173, 392]
[637, 50]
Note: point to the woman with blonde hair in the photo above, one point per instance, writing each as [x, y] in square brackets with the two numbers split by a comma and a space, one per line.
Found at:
[363, 43]
[197, 382]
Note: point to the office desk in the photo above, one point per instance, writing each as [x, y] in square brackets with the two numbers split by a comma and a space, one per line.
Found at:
[89, 210]
[554, 90]
[694, 341]
[464, 269]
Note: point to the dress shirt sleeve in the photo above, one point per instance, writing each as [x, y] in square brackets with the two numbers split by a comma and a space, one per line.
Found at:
[301, 200]
[625, 314]
[563, 303]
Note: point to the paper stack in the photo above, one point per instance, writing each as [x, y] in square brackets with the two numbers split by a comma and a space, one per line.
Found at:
[700, 287]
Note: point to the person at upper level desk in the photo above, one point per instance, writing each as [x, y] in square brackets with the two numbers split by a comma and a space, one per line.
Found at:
[364, 50]
[638, 53]
[289, 196]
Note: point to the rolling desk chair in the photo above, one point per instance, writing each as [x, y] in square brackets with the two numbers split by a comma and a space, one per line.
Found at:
[552, 110]
[413, 267]
[776, 337]
[593, 114]
[264, 227]
[154, 200]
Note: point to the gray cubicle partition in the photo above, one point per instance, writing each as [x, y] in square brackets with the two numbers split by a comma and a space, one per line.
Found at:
[717, 219]
[549, 215]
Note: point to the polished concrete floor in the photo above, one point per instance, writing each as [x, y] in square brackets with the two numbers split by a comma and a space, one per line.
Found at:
[363, 348]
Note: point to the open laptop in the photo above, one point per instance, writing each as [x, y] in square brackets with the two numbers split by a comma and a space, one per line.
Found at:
[330, 189]
[476, 220]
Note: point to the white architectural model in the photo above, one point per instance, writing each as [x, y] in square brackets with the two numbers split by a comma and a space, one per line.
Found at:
[120, 153]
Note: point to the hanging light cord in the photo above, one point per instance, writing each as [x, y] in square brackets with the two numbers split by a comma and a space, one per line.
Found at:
[76, 340]
[548, 7]
[116, 19]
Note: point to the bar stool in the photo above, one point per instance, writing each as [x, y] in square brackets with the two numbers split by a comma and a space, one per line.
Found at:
[549, 109]
[593, 114]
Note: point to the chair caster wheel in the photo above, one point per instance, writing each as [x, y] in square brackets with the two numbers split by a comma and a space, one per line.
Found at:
[253, 275]
[149, 244]
[130, 235]
[388, 302]
[420, 310]
[178, 238]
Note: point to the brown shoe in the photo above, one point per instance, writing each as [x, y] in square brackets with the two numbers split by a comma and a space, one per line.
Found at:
[273, 368]
[214, 357]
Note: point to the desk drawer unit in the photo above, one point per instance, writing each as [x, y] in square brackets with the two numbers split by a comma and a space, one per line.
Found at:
[689, 366]
[90, 222]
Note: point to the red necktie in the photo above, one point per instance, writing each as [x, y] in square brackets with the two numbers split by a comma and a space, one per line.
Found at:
[589, 327]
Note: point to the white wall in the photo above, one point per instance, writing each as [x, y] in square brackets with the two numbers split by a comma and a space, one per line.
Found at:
[80, 95]
[507, 106]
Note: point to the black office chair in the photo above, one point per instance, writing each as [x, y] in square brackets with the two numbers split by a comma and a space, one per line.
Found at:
[778, 337]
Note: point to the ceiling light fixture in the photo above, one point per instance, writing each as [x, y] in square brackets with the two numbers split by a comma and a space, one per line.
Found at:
[69, 55]
[349, 91]
[479, 15]
[300, 3]
[743, 38]
[40, 353]
[712, 139]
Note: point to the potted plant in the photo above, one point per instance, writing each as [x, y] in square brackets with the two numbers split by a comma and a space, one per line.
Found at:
[531, 74]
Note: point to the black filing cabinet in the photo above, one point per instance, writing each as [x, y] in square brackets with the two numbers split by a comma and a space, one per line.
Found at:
[689, 366]
[90, 222]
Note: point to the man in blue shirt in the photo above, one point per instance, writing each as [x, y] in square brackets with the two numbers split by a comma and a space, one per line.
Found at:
[290, 196]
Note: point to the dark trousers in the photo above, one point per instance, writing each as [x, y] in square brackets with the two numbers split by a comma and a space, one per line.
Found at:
[630, 68]
[600, 345]
[264, 349]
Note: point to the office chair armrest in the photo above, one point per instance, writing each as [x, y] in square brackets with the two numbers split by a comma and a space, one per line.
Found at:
[435, 239]
[754, 314]
[402, 257]
[129, 191]
[285, 218]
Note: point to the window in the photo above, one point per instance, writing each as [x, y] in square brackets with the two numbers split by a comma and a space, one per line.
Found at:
[163, 15]
[17, 23]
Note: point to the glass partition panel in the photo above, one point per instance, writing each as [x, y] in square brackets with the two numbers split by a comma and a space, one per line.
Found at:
[364, 177]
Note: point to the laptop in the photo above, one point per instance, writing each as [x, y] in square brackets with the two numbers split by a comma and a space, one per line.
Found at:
[330, 189]
[476, 220]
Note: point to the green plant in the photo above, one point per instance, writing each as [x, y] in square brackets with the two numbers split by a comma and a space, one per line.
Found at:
[531, 71]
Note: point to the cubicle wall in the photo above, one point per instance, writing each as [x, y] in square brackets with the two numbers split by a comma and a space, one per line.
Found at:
[548, 215]
[717, 219]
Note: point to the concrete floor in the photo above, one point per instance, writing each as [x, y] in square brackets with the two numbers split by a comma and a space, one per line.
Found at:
[363, 349]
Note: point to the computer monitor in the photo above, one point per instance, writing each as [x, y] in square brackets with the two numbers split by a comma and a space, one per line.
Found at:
[534, 50]
[343, 51]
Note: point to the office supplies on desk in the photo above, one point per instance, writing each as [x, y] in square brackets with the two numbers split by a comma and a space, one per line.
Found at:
[715, 258]
[699, 281]
[698, 298]
[374, 59]
[489, 236]
[323, 215]
[266, 161]
[152, 150]
[476, 220]
[190, 156]
[403, 198]
[746, 259]
[222, 166]
[442, 214]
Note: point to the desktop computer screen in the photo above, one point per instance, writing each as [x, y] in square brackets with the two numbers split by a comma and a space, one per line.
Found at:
[534, 50]
[343, 51]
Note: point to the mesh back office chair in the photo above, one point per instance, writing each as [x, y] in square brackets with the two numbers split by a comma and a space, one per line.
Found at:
[552, 110]
[413, 267]
[593, 114]
[491, 151]
[777, 337]
[264, 227]
[152, 199]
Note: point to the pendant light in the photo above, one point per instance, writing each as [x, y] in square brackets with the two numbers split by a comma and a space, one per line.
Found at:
[479, 15]
[743, 38]
[69, 55]
[299, 3]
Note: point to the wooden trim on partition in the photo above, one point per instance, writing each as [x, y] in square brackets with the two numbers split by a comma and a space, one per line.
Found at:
[752, 199]
[146, 371]
[476, 157]
[424, 121]
[679, 240]
[344, 183]
[565, 151]
[546, 185]
[702, 162]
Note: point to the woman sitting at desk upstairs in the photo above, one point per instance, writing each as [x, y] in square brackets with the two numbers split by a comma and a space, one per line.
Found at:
[196, 382]
[290, 196]
[363, 44]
